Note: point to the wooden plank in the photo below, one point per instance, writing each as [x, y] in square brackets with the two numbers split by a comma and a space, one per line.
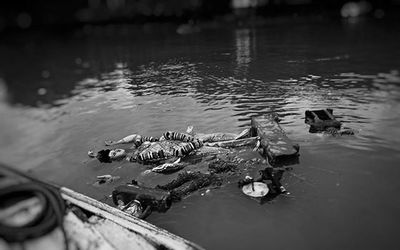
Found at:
[274, 142]
[155, 234]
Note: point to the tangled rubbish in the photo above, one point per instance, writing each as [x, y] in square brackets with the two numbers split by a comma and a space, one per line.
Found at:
[174, 151]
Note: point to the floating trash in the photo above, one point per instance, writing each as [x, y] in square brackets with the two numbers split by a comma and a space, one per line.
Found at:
[103, 179]
[255, 189]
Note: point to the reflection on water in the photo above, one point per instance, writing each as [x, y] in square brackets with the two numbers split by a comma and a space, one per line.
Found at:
[348, 93]
[244, 45]
[98, 89]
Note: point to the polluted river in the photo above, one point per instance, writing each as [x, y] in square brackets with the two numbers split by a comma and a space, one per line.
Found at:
[64, 94]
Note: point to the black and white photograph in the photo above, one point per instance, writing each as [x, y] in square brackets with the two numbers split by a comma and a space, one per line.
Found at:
[199, 124]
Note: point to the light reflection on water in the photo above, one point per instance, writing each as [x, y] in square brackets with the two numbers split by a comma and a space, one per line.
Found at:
[359, 100]
[218, 84]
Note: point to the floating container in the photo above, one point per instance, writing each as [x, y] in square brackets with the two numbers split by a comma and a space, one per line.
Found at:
[320, 120]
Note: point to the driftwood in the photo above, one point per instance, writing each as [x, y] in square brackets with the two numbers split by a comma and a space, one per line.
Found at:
[274, 142]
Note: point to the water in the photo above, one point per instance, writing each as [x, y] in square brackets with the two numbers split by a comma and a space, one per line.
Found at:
[66, 93]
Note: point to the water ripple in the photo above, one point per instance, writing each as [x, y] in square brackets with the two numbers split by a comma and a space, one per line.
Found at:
[361, 101]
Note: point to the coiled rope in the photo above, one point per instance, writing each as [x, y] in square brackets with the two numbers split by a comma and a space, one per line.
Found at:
[51, 215]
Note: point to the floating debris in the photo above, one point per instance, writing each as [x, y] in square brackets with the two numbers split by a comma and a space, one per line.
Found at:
[103, 179]
[169, 167]
[255, 189]
[274, 142]
[324, 121]
[320, 120]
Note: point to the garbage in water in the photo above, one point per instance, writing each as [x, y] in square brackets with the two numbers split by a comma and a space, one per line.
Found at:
[323, 121]
[172, 152]
[72, 84]
[255, 189]
[140, 201]
[104, 179]
[267, 185]
[169, 167]
[274, 143]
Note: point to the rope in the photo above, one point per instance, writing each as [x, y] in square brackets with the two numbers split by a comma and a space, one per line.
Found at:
[51, 216]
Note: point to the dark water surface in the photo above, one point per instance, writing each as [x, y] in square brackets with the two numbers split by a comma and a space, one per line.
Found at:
[65, 94]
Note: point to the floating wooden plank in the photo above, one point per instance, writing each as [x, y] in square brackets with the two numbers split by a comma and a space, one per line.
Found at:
[274, 142]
